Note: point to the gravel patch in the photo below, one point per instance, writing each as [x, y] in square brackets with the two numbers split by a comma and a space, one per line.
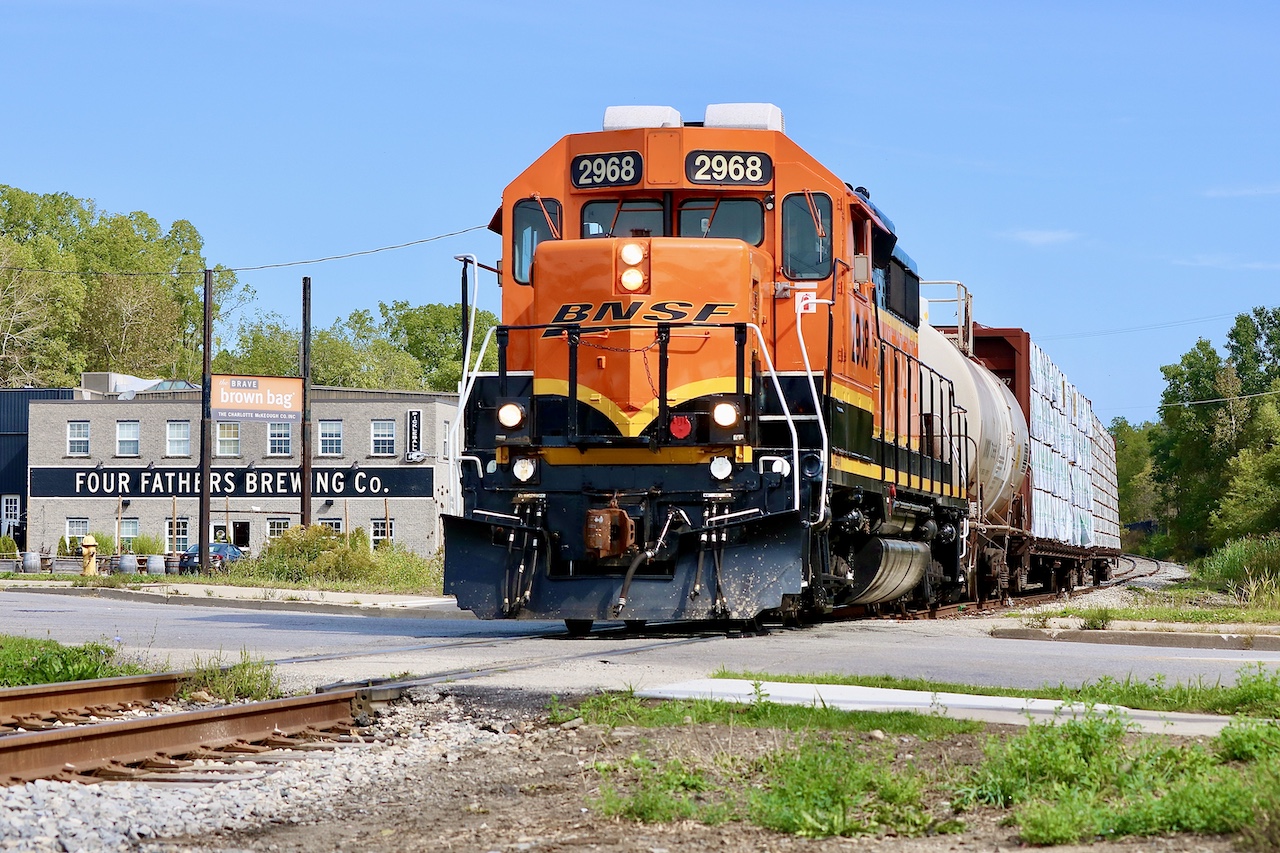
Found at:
[408, 739]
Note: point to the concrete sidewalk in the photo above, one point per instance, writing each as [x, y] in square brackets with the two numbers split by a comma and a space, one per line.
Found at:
[991, 709]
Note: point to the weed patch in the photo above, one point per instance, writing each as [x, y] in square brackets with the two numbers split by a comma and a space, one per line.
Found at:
[24, 662]
[245, 679]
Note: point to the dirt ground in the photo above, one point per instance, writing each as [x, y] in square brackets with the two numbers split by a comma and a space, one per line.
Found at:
[538, 794]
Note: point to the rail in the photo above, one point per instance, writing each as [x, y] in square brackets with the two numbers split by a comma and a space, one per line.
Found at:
[84, 749]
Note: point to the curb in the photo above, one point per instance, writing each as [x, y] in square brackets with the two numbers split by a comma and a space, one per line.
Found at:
[1164, 639]
[251, 603]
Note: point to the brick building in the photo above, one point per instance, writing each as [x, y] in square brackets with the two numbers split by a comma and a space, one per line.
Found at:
[128, 464]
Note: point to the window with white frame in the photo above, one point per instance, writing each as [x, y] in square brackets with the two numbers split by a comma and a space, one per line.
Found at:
[77, 529]
[10, 513]
[384, 438]
[334, 524]
[331, 438]
[128, 438]
[178, 438]
[128, 532]
[382, 530]
[77, 438]
[228, 438]
[444, 441]
[276, 527]
[178, 536]
[280, 439]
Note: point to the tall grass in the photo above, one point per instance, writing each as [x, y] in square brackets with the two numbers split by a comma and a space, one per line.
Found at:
[1244, 565]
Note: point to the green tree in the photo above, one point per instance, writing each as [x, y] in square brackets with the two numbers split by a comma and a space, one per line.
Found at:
[104, 298]
[433, 335]
[1250, 503]
[265, 346]
[1190, 453]
[1253, 346]
[1134, 480]
[39, 314]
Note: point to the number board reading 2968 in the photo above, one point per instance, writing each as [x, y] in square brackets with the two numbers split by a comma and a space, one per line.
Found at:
[616, 169]
[728, 167]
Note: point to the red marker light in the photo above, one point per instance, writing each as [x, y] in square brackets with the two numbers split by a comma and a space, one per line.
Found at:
[681, 426]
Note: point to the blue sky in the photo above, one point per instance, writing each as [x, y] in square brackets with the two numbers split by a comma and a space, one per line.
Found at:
[1083, 167]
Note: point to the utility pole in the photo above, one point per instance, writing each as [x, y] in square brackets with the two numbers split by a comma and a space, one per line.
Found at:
[306, 401]
[206, 434]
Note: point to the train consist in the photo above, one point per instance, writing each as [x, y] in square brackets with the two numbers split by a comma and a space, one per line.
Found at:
[718, 396]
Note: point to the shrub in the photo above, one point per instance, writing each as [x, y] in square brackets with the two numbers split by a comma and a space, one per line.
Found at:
[106, 543]
[8, 547]
[301, 554]
[147, 544]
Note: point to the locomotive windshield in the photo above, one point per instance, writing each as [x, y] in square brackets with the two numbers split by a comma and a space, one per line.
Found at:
[617, 218]
[806, 236]
[740, 218]
[534, 220]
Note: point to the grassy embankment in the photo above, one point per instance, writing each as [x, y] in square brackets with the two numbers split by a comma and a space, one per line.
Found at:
[1239, 583]
[836, 773]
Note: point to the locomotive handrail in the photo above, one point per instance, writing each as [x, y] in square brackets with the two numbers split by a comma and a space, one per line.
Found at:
[574, 333]
[817, 408]
[455, 449]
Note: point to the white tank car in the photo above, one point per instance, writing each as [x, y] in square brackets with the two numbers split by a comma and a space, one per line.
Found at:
[999, 442]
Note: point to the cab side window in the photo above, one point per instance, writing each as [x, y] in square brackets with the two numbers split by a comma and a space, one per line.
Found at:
[534, 220]
[806, 236]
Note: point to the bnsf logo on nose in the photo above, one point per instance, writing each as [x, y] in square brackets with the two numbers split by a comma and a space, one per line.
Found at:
[658, 312]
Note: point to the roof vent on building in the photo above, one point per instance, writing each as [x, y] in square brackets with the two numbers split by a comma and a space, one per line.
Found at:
[626, 118]
[745, 116]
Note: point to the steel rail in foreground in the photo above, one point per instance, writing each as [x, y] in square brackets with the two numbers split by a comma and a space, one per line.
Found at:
[83, 749]
[47, 698]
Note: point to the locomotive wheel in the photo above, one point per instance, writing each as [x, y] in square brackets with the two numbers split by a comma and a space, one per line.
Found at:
[578, 627]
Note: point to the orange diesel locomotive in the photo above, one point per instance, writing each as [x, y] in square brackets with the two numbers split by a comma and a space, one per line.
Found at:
[709, 402]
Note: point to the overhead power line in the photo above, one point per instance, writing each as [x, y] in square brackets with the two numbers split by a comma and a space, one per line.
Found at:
[261, 267]
[1126, 331]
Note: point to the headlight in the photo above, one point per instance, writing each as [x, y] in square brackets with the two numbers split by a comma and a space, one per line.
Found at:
[721, 467]
[511, 415]
[725, 414]
[632, 279]
[523, 468]
[631, 253]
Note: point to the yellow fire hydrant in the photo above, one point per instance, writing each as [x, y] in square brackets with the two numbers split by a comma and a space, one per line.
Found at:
[89, 554]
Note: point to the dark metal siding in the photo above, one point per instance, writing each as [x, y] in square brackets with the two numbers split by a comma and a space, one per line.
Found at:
[13, 406]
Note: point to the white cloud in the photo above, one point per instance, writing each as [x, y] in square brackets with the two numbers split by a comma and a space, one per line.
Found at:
[1243, 192]
[1227, 262]
[1044, 238]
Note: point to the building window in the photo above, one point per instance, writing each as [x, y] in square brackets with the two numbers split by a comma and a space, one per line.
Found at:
[179, 439]
[383, 530]
[128, 532]
[228, 438]
[77, 438]
[331, 438]
[280, 439]
[128, 438]
[77, 529]
[444, 442]
[276, 527]
[384, 438]
[334, 524]
[9, 514]
[177, 539]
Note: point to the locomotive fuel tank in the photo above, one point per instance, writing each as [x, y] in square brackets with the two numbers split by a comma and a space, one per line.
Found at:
[998, 438]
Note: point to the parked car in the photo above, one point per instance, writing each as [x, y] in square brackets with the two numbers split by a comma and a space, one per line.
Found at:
[220, 553]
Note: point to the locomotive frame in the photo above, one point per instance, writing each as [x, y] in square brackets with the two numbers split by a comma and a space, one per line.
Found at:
[710, 401]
